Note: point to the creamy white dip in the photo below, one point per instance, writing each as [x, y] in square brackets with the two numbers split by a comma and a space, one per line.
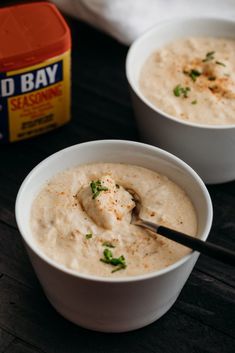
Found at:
[193, 79]
[73, 222]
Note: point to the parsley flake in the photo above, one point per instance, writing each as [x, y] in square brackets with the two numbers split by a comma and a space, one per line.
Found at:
[120, 267]
[220, 63]
[194, 102]
[96, 188]
[193, 74]
[179, 90]
[108, 258]
[209, 56]
[89, 235]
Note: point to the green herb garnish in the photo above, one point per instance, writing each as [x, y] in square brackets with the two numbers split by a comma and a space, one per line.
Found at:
[96, 188]
[120, 267]
[89, 235]
[179, 90]
[209, 56]
[107, 256]
[220, 63]
[193, 74]
[109, 259]
[194, 102]
[108, 244]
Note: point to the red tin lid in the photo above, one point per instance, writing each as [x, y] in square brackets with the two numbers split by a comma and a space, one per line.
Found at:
[31, 33]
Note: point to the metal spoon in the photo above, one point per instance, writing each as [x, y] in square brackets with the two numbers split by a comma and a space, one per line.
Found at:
[215, 251]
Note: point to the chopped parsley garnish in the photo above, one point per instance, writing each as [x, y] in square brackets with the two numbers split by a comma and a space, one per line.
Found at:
[108, 244]
[96, 188]
[120, 267]
[179, 90]
[212, 78]
[194, 102]
[220, 63]
[89, 235]
[193, 74]
[108, 258]
[209, 56]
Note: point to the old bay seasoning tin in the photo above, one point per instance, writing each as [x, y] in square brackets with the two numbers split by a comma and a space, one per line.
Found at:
[34, 70]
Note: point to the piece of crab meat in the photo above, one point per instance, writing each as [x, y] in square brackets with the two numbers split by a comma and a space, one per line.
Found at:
[106, 207]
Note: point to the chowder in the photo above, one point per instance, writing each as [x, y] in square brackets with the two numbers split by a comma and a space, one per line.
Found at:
[81, 219]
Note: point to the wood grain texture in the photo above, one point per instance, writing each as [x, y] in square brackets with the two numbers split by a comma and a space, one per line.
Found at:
[203, 318]
[18, 346]
[5, 340]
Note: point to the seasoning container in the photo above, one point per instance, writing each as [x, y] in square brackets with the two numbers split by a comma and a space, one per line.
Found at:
[34, 70]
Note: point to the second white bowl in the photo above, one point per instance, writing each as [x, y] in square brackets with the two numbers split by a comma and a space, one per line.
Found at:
[209, 149]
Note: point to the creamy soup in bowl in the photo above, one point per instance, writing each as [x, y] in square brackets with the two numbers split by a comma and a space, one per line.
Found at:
[81, 219]
[193, 79]
[79, 238]
[181, 77]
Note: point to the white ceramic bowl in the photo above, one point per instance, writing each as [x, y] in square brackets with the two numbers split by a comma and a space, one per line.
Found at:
[106, 304]
[210, 150]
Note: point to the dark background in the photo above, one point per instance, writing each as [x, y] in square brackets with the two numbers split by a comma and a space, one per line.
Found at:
[203, 318]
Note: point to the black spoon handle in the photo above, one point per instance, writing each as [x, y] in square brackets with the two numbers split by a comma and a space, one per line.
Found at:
[217, 252]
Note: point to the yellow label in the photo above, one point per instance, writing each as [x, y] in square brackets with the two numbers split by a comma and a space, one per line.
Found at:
[38, 97]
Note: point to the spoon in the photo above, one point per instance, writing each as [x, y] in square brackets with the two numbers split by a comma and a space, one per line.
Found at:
[206, 248]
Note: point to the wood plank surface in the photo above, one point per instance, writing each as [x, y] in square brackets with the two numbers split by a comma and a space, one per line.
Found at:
[5, 340]
[19, 346]
[203, 318]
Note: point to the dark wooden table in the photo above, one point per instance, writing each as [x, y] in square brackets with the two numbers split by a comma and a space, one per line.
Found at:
[203, 318]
